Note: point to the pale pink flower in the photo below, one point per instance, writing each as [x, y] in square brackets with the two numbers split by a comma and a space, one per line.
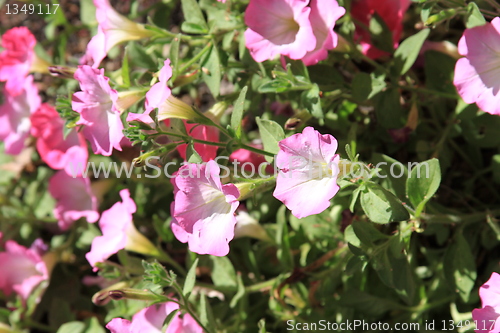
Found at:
[477, 75]
[74, 199]
[15, 115]
[324, 14]
[203, 209]
[308, 170]
[55, 150]
[391, 12]
[156, 96]
[151, 320]
[278, 27]
[113, 29]
[16, 58]
[98, 112]
[487, 319]
[22, 269]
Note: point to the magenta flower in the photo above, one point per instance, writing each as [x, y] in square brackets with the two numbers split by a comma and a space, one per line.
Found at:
[203, 209]
[16, 58]
[308, 170]
[324, 14]
[278, 27]
[487, 318]
[15, 115]
[151, 320]
[55, 150]
[476, 75]
[391, 11]
[98, 112]
[74, 199]
[22, 269]
[201, 132]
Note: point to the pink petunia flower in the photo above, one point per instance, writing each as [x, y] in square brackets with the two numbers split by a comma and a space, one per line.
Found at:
[278, 27]
[308, 170]
[324, 14]
[15, 115]
[487, 319]
[22, 269]
[476, 75]
[118, 232]
[113, 29]
[203, 209]
[201, 132]
[55, 150]
[391, 12]
[151, 320]
[251, 162]
[16, 58]
[74, 199]
[98, 112]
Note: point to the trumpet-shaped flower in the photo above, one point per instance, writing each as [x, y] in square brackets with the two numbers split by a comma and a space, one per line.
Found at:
[391, 12]
[15, 115]
[98, 112]
[487, 318]
[74, 199]
[16, 58]
[55, 150]
[118, 232]
[151, 320]
[113, 29]
[324, 14]
[477, 75]
[203, 209]
[278, 27]
[308, 170]
[22, 269]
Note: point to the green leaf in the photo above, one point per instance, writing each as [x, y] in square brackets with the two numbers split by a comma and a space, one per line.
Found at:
[239, 293]
[421, 186]
[190, 278]
[380, 34]
[312, 102]
[140, 58]
[223, 273]
[72, 327]
[174, 55]
[193, 28]
[365, 86]
[408, 51]
[87, 12]
[271, 133]
[192, 155]
[439, 72]
[193, 14]
[388, 109]
[125, 70]
[238, 110]
[94, 326]
[460, 267]
[381, 206]
[211, 74]
[367, 234]
[443, 15]
[474, 17]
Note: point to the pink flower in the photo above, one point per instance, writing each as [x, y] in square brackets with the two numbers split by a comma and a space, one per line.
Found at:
[201, 132]
[487, 318]
[203, 209]
[15, 115]
[278, 27]
[98, 112]
[307, 178]
[156, 96]
[324, 14]
[151, 320]
[16, 58]
[118, 232]
[476, 75]
[113, 29]
[391, 11]
[55, 150]
[22, 269]
[74, 199]
[251, 162]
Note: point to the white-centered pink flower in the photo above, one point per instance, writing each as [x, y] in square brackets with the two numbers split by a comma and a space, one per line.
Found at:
[98, 112]
[55, 150]
[308, 170]
[278, 27]
[74, 199]
[118, 233]
[477, 76]
[203, 209]
[15, 115]
[22, 269]
[487, 319]
[151, 320]
[324, 14]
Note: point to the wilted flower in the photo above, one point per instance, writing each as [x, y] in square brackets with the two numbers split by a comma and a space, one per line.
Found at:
[487, 319]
